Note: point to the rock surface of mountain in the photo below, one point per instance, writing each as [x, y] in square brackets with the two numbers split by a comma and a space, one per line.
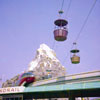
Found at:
[46, 62]
[11, 82]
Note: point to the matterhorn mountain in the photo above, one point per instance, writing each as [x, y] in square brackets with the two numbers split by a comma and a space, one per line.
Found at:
[44, 65]
[46, 62]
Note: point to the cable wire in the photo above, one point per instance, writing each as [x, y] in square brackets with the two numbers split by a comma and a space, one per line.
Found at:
[68, 8]
[85, 21]
[53, 44]
[62, 5]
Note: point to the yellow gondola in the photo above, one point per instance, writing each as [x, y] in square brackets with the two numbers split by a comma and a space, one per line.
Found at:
[75, 59]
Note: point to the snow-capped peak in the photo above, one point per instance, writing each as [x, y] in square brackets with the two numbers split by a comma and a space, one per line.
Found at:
[44, 60]
[44, 49]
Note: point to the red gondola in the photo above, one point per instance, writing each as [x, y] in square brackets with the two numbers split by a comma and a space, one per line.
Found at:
[60, 31]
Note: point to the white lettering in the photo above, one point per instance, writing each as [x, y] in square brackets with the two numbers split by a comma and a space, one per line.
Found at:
[11, 90]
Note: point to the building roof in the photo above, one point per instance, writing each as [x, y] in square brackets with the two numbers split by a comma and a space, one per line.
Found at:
[81, 86]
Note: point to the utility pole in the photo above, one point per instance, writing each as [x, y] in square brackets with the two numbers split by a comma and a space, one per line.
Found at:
[0, 81]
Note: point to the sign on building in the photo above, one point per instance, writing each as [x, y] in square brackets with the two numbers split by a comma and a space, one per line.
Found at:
[17, 89]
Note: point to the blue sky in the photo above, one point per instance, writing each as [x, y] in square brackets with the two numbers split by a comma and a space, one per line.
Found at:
[25, 24]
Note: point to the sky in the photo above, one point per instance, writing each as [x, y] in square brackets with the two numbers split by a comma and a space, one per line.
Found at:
[25, 24]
